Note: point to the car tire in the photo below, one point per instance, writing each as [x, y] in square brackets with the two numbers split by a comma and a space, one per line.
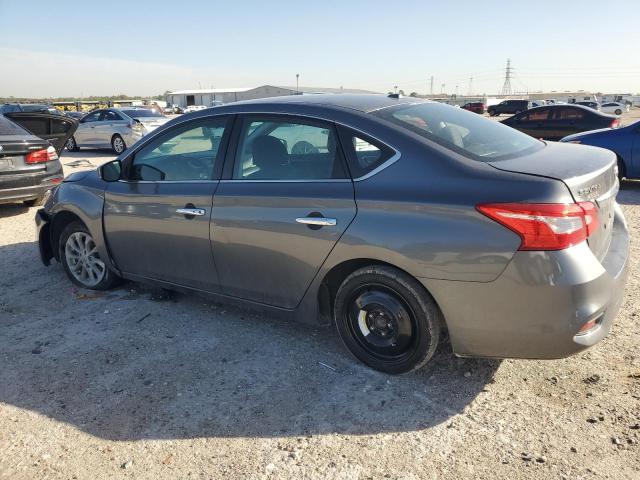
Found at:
[387, 320]
[72, 145]
[81, 261]
[618, 112]
[622, 170]
[117, 144]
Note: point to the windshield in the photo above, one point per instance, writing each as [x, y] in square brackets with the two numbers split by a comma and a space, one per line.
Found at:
[464, 132]
[142, 112]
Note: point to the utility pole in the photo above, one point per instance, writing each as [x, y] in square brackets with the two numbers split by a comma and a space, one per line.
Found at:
[506, 87]
[297, 85]
[431, 87]
[470, 86]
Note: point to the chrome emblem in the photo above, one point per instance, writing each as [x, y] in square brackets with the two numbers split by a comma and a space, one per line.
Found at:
[590, 192]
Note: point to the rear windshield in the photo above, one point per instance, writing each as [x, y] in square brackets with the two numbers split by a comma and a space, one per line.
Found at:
[7, 127]
[461, 131]
[142, 112]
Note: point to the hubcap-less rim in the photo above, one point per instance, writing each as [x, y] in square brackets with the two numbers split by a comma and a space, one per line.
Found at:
[83, 259]
[118, 145]
[381, 322]
[71, 144]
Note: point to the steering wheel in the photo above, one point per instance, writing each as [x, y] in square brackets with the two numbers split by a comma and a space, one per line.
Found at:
[303, 147]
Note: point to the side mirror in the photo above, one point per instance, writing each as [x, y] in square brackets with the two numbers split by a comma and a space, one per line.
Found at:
[111, 172]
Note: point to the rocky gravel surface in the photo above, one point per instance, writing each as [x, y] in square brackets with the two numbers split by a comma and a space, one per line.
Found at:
[135, 383]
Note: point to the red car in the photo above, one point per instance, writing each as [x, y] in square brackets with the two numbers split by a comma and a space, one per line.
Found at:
[477, 107]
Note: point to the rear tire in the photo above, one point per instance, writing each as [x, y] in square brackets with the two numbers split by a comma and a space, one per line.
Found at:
[618, 112]
[117, 144]
[81, 261]
[387, 320]
[622, 170]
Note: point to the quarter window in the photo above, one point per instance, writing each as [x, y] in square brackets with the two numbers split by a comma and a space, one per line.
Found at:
[274, 149]
[188, 153]
[364, 154]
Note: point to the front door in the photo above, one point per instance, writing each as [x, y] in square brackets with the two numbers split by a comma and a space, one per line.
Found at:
[86, 132]
[286, 204]
[157, 218]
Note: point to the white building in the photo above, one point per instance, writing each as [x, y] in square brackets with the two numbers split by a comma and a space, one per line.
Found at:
[217, 96]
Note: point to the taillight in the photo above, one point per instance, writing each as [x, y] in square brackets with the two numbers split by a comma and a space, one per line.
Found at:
[615, 123]
[41, 156]
[545, 226]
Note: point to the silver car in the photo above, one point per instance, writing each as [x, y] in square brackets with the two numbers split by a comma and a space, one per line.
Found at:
[115, 128]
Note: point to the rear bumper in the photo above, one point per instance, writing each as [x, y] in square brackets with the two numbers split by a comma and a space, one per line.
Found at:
[29, 186]
[539, 303]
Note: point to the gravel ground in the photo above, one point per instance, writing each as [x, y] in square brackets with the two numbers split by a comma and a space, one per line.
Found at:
[133, 383]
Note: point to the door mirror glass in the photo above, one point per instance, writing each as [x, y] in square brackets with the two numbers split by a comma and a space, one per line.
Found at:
[111, 172]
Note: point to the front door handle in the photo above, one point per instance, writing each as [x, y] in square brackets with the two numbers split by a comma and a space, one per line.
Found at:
[317, 221]
[191, 212]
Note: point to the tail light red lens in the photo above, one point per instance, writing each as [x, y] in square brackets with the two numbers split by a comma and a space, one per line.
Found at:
[615, 123]
[545, 226]
[41, 156]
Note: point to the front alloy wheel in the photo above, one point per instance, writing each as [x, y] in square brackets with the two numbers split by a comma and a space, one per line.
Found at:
[118, 145]
[81, 261]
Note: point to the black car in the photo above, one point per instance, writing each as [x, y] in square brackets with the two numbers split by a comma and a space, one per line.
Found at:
[553, 122]
[509, 106]
[30, 108]
[30, 144]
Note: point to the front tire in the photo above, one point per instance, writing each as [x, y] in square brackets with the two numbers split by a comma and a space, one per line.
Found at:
[618, 112]
[72, 145]
[387, 320]
[81, 260]
[118, 145]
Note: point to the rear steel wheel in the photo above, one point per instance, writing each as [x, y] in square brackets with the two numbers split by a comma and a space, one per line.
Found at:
[117, 144]
[387, 319]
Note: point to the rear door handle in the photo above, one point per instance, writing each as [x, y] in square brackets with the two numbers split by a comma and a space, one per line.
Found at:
[194, 212]
[319, 221]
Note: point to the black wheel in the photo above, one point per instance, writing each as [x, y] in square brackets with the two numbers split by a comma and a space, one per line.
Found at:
[117, 144]
[387, 320]
[81, 260]
[72, 146]
[618, 112]
[492, 113]
[34, 202]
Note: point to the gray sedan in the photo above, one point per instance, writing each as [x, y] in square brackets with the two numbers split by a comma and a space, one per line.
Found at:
[115, 128]
[395, 219]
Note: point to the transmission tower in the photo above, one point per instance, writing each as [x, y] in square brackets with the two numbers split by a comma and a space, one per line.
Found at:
[506, 88]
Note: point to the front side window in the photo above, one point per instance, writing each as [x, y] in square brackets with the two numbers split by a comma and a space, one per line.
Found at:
[92, 117]
[464, 132]
[110, 116]
[186, 153]
[536, 115]
[274, 149]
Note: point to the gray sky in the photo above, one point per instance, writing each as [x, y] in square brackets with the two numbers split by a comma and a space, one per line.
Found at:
[147, 47]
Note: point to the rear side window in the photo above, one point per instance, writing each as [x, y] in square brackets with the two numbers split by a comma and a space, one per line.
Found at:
[462, 131]
[364, 154]
[287, 149]
[569, 113]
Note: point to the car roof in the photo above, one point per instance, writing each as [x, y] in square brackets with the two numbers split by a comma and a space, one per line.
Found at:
[360, 102]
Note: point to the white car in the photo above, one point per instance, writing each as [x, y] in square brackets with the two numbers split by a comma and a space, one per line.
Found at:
[614, 108]
[194, 108]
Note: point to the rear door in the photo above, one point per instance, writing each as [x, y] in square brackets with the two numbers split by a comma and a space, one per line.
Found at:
[567, 121]
[56, 129]
[156, 219]
[284, 204]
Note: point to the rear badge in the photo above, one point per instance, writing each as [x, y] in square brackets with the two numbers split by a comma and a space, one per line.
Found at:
[590, 192]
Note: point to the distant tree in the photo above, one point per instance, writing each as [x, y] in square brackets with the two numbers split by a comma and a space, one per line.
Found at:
[413, 94]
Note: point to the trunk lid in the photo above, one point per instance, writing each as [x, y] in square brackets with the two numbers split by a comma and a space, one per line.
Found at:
[588, 172]
[56, 129]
